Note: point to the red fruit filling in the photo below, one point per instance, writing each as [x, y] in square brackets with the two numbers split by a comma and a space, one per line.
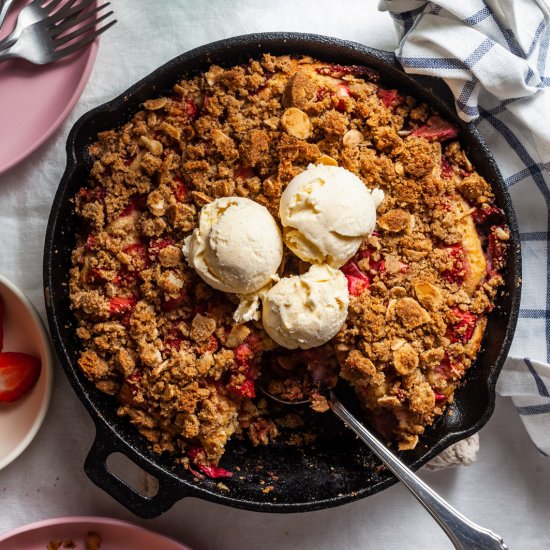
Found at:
[1, 324]
[456, 272]
[390, 98]
[180, 189]
[487, 216]
[462, 329]
[120, 304]
[358, 282]
[436, 129]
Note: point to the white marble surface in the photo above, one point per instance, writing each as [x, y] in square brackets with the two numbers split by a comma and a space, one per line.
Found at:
[507, 489]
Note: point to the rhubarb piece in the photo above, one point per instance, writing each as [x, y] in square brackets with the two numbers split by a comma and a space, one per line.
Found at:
[390, 98]
[197, 455]
[19, 373]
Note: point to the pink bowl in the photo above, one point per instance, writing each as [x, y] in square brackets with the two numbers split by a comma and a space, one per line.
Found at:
[115, 535]
[37, 99]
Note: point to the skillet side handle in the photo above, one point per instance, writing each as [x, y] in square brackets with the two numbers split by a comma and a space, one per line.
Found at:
[145, 507]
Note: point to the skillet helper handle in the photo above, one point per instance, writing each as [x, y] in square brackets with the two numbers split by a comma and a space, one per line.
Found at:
[463, 533]
[95, 466]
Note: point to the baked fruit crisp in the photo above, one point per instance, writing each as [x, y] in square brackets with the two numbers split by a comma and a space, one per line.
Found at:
[164, 344]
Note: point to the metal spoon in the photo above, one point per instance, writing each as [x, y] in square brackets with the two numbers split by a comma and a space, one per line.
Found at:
[463, 533]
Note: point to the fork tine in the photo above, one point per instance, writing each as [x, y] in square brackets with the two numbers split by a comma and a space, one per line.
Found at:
[58, 54]
[64, 25]
[50, 6]
[80, 30]
[68, 10]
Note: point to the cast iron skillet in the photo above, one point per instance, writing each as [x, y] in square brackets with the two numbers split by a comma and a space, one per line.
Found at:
[337, 468]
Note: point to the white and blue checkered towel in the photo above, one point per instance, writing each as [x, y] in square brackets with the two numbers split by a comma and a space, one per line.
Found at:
[494, 56]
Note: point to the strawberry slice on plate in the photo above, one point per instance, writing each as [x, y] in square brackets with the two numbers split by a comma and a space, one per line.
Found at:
[19, 372]
[1, 324]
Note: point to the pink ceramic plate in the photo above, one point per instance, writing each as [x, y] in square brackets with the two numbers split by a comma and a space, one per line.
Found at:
[35, 100]
[115, 535]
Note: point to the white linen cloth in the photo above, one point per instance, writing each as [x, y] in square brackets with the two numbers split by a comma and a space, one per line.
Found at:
[493, 54]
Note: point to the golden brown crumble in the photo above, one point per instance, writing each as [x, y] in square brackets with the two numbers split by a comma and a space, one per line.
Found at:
[165, 344]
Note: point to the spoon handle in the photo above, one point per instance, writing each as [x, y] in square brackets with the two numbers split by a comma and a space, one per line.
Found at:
[463, 533]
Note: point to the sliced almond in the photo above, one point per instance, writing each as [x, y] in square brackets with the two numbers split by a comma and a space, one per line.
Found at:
[155, 147]
[155, 104]
[296, 123]
[326, 160]
[428, 295]
[352, 138]
[405, 359]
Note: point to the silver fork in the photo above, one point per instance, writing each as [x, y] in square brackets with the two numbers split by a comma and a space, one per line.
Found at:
[32, 13]
[75, 27]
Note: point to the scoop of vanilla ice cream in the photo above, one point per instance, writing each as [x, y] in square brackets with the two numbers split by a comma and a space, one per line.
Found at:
[327, 211]
[307, 310]
[237, 246]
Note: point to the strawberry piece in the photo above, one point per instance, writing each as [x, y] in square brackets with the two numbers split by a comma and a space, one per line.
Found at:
[119, 304]
[19, 373]
[180, 189]
[338, 71]
[1, 324]
[436, 129]
[390, 98]
[457, 272]
[463, 328]
[197, 454]
[358, 282]
[243, 355]
[246, 389]
[439, 397]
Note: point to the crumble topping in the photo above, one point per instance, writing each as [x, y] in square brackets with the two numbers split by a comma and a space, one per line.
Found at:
[164, 343]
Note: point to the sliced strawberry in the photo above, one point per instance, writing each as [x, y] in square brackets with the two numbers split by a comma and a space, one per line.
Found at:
[338, 71]
[246, 389]
[457, 271]
[436, 129]
[462, 329]
[243, 355]
[19, 372]
[119, 304]
[390, 98]
[358, 282]
[1, 324]
[197, 455]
